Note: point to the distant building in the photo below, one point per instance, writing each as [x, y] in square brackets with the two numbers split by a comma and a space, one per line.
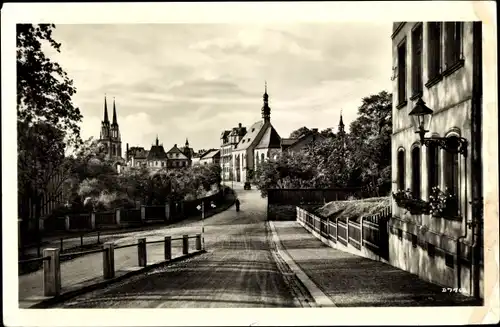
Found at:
[438, 63]
[229, 140]
[210, 157]
[303, 142]
[156, 158]
[260, 143]
[177, 158]
[110, 135]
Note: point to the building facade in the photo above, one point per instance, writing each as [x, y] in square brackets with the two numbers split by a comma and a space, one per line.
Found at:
[260, 143]
[210, 157]
[229, 140]
[177, 158]
[438, 63]
[110, 134]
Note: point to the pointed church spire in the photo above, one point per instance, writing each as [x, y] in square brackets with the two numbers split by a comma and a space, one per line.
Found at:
[341, 124]
[266, 111]
[106, 120]
[157, 141]
[115, 122]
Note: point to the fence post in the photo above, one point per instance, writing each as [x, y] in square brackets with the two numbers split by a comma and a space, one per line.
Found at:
[118, 216]
[51, 273]
[141, 252]
[168, 247]
[361, 231]
[67, 222]
[198, 242]
[185, 244]
[108, 260]
[143, 212]
[347, 231]
[167, 211]
[92, 220]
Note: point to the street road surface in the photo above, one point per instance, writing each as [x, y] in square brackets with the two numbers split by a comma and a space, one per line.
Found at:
[239, 270]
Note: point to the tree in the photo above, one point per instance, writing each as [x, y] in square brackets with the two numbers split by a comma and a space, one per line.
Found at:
[371, 133]
[299, 132]
[47, 120]
[328, 132]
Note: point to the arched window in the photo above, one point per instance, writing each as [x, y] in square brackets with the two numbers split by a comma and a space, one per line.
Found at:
[401, 169]
[432, 167]
[262, 157]
[416, 172]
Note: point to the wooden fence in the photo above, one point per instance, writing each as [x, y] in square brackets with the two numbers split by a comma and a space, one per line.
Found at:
[369, 236]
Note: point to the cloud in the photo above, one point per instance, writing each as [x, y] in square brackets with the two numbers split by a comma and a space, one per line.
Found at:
[195, 80]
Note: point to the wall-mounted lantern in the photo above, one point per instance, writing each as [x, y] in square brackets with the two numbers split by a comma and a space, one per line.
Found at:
[421, 120]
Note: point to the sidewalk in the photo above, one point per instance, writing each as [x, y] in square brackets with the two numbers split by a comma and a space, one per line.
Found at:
[352, 281]
[88, 269]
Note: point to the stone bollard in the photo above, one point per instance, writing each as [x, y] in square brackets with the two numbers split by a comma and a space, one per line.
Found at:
[141, 252]
[108, 260]
[198, 242]
[118, 216]
[185, 244]
[51, 273]
[168, 247]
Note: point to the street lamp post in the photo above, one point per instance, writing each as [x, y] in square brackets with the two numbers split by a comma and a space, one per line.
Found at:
[421, 119]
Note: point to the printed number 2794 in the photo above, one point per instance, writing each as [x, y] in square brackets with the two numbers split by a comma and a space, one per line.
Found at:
[452, 290]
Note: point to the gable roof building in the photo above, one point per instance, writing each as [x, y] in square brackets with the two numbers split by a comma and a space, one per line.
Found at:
[260, 142]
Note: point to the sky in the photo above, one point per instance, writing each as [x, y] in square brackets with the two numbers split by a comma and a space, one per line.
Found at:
[193, 81]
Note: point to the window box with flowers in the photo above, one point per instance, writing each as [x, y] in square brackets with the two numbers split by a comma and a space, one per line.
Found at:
[405, 199]
[443, 204]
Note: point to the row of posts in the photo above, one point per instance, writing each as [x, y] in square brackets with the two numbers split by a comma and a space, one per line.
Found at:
[52, 267]
[117, 216]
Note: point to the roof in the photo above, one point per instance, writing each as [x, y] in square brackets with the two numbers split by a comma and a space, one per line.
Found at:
[224, 134]
[157, 153]
[288, 142]
[210, 154]
[174, 149]
[318, 136]
[250, 136]
[270, 139]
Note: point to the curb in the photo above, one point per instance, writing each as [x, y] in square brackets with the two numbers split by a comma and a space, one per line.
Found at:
[321, 299]
[47, 303]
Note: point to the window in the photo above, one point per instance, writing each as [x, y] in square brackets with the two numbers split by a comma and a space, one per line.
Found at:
[163, 164]
[453, 43]
[401, 169]
[431, 250]
[402, 74]
[414, 240]
[415, 172]
[262, 157]
[432, 167]
[451, 172]
[449, 261]
[434, 50]
[416, 70]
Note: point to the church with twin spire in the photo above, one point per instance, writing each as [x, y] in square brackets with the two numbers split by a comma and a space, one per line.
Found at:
[110, 136]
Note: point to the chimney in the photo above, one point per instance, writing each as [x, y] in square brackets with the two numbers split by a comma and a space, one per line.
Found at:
[239, 125]
[315, 130]
[126, 153]
[175, 145]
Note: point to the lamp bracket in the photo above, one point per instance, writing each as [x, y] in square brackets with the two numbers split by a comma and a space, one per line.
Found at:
[452, 144]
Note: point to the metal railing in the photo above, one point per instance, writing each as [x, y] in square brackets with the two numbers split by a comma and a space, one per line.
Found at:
[52, 257]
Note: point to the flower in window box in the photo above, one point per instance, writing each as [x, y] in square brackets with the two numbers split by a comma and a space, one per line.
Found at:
[443, 203]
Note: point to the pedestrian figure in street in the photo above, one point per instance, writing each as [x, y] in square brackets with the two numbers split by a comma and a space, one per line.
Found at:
[237, 203]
